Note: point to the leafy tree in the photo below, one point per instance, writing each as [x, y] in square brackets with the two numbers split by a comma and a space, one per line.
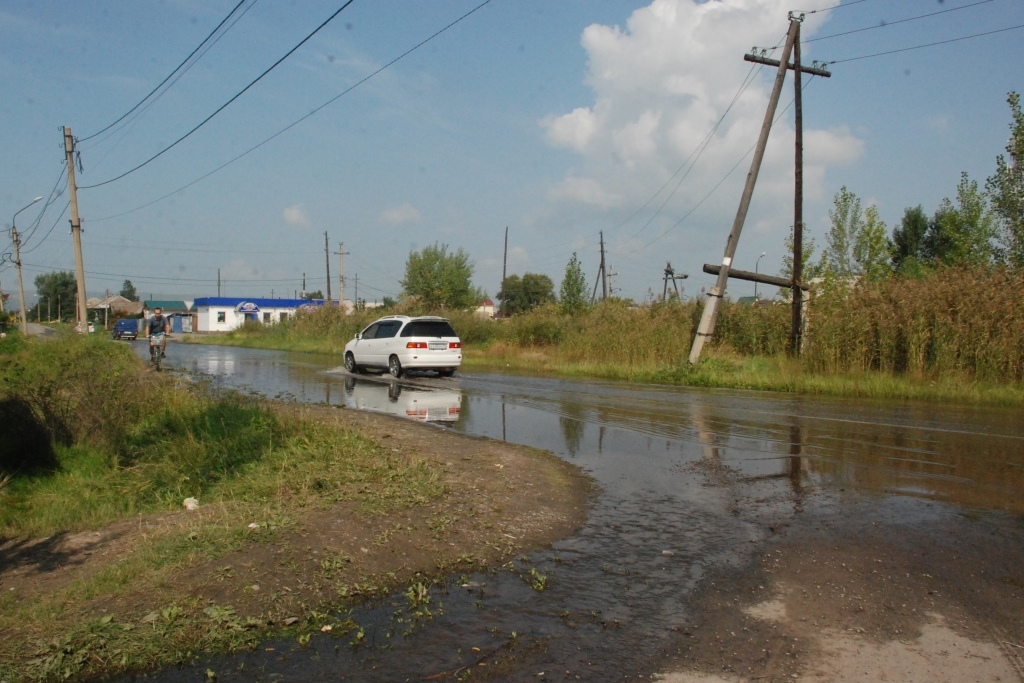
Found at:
[59, 289]
[909, 239]
[520, 295]
[318, 294]
[837, 258]
[573, 292]
[963, 235]
[440, 279]
[809, 270]
[1006, 187]
[872, 250]
[128, 291]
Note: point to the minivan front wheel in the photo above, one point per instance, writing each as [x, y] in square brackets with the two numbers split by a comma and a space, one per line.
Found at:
[350, 364]
[395, 366]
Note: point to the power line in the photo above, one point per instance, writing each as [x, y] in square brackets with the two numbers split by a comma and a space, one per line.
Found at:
[55, 194]
[899, 21]
[829, 9]
[176, 69]
[719, 184]
[699, 150]
[226, 104]
[196, 249]
[918, 47]
[300, 119]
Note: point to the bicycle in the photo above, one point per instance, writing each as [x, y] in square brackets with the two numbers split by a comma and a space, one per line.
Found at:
[157, 344]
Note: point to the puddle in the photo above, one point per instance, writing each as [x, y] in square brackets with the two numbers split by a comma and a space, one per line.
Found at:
[674, 466]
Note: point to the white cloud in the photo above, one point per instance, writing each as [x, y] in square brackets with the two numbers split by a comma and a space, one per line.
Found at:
[584, 191]
[660, 85]
[399, 215]
[296, 217]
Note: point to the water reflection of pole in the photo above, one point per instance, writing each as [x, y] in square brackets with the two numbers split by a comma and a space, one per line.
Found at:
[795, 448]
[503, 421]
[705, 436]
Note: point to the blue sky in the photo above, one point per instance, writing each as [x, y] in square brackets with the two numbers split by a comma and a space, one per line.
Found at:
[558, 120]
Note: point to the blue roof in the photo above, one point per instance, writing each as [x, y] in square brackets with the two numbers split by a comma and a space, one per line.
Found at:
[232, 301]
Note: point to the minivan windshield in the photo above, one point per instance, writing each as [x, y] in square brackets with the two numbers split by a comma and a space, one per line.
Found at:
[429, 328]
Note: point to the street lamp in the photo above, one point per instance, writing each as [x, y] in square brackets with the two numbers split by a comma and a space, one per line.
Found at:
[17, 262]
[756, 264]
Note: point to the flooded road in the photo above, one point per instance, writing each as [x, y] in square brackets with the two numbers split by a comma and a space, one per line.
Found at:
[691, 484]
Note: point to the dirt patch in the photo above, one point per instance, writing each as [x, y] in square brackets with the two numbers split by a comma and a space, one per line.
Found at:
[844, 601]
[500, 500]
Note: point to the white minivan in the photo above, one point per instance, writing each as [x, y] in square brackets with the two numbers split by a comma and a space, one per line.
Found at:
[397, 343]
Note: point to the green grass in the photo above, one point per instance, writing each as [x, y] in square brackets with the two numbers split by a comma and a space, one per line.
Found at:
[138, 444]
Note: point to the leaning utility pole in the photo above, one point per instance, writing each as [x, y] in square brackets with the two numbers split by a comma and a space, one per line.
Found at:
[604, 273]
[327, 257]
[76, 230]
[714, 297]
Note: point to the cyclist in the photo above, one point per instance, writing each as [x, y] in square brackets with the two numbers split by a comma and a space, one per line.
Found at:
[158, 326]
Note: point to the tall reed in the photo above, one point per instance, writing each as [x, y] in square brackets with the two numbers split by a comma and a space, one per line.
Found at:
[954, 321]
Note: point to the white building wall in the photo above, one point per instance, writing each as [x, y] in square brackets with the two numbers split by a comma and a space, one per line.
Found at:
[207, 317]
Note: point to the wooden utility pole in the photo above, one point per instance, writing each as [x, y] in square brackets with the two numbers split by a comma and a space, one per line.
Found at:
[76, 230]
[670, 275]
[710, 315]
[218, 282]
[504, 270]
[341, 273]
[21, 285]
[796, 328]
[327, 257]
[601, 276]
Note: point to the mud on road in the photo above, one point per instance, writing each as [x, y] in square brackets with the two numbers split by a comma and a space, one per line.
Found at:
[886, 590]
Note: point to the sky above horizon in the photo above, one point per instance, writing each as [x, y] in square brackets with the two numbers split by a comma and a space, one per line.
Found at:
[560, 121]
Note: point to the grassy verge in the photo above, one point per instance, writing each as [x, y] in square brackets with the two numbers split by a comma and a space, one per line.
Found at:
[723, 369]
[122, 445]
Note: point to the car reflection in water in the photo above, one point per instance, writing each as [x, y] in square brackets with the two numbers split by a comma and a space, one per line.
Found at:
[425, 404]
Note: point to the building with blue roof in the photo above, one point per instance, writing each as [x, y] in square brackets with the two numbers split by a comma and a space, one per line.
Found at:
[225, 313]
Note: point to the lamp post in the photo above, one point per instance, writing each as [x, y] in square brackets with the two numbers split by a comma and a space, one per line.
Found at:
[17, 262]
[756, 264]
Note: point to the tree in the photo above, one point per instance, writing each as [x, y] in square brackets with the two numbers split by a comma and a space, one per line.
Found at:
[837, 259]
[573, 292]
[128, 291]
[318, 294]
[963, 235]
[520, 295]
[59, 289]
[1006, 188]
[872, 250]
[439, 279]
[908, 240]
[809, 269]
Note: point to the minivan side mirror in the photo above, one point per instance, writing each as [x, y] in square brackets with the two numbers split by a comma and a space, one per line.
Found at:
[359, 335]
